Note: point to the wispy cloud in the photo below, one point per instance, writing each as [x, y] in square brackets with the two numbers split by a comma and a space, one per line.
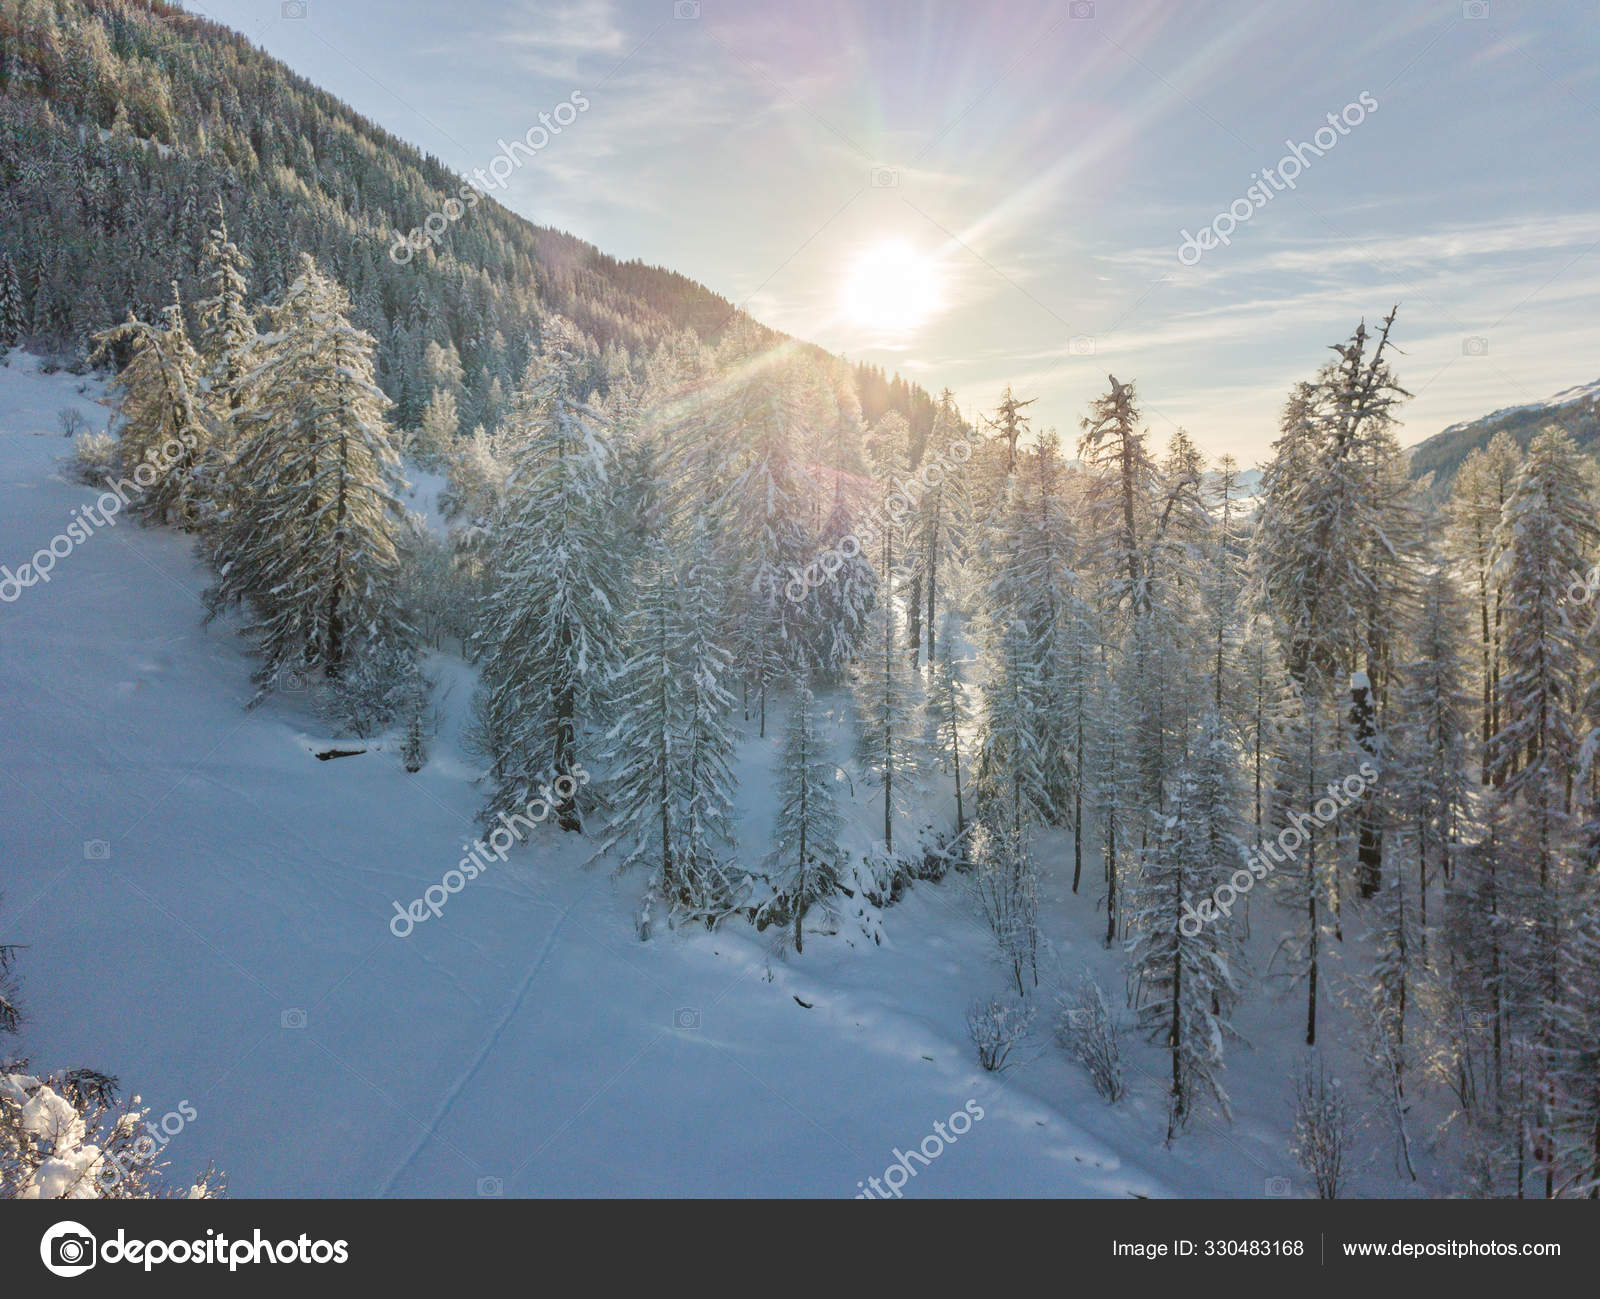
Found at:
[554, 39]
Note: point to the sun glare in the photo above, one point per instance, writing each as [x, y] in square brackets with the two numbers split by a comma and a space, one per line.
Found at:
[891, 288]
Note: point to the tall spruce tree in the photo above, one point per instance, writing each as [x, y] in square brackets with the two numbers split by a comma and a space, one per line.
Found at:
[805, 853]
[1482, 488]
[13, 311]
[1186, 969]
[949, 710]
[549, 632]
[310, 542]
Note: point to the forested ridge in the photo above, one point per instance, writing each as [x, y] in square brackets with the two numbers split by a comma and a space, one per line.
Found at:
[124, 122]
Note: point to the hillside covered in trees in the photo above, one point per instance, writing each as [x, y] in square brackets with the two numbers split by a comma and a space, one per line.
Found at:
[153, 115]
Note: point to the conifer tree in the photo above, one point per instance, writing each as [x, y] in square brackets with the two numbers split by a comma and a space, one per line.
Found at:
[227, 346]
[1335, 535]
[1184, 968]
[13, 313]
[671, 782]
[310, 541]
[164, 430]
[883, 708]
[227, 327]
[1547, 534]
[1432, 784]
[437, 432]
[549, 633]
[766, 505]
[949, 709]
[1011, 783]
[943, 515]
[1481, 489]
[805, 850]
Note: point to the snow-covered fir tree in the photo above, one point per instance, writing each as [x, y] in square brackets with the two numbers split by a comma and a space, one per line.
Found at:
[441, 423]
[805, 855]
[1010, 779]
[1547, 534]
[848, 592]
[884, 705]
[227, 326]
[549, 632]
[766, 505]
[310, 541]
[948, 707]
[1432, 788]
[1335, 537]
[1482, 488]
[939, 531]
[670, 782]
[13, 312]
[1186, 969]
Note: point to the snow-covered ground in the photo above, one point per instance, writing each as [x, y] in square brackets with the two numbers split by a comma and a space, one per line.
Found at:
[205, 910]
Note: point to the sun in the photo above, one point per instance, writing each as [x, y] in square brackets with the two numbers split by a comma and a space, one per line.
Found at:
[890, 288]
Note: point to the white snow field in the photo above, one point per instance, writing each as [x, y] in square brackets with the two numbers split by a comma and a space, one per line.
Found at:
[205, 909]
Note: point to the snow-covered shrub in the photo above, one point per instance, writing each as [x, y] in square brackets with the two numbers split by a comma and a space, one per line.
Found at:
[857, 882]
[70, 420]
[706, 893]
[881, 877]
[996, 1026]
[937, 853]
[1087, 1028]
[1006, 881]
[63, 1137]
[377, 686]
[1322, 1129]
[709, 891]
[884, 875]
[94, 458]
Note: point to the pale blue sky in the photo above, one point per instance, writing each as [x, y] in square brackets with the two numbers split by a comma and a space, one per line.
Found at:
[1046, 159]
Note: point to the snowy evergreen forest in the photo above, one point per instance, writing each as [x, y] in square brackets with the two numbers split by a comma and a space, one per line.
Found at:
[1330, 708]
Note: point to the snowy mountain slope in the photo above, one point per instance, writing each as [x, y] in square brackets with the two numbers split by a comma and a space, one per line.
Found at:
[1586, 393]
[206, 907]
[1575, 409]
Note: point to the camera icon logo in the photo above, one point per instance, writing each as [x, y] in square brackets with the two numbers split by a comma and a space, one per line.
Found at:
[682, 9]
[1081, 345]
[1278, 1188]
[293, 8]
[686, 1018]
[68, 1249]
[291, 679]
[96, 850]
[1474, 8]
[491, 1186]
[294, 1017]
[1474, 347]
[1081, 9]
[884, 178]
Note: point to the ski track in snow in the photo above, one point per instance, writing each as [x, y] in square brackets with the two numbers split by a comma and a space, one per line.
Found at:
[489, 1043]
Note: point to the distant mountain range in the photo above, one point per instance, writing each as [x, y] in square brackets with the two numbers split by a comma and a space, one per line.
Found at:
[1575, 409]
